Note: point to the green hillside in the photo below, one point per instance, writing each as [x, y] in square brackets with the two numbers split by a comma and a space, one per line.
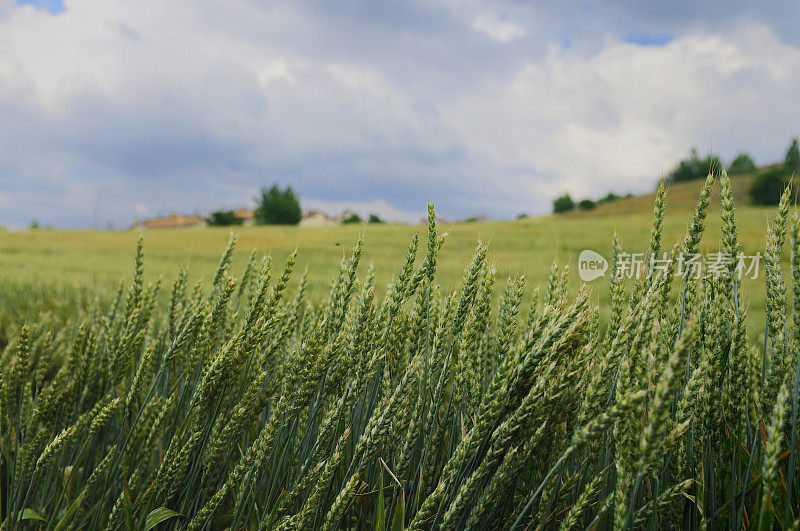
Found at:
[682, 197]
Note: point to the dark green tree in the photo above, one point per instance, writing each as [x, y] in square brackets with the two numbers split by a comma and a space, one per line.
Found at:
[375, 218]
[352, 218]
[741, 164]
[793, 157]
[563, 203]
[694, 167]
[586, 204]
[768, 186]
[610, 196]
[278, 207]
[224, 218]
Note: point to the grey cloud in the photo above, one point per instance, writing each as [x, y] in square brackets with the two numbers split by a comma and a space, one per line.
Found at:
[196, 107]
[716, 15]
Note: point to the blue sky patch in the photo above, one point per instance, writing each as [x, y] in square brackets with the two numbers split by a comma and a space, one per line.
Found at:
[645, 38]
[53, 6]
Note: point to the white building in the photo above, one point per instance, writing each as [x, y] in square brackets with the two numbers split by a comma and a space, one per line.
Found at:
[315, 218]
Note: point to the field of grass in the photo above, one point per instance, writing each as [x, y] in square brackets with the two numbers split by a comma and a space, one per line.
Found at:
[48, 269]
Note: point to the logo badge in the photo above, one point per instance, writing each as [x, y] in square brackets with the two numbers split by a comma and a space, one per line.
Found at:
[591, 265]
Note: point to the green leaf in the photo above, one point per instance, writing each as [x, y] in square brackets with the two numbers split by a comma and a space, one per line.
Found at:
[157, 516]
[273, 514]
[399, 512]
[380, 509]
[30, 514]
[70, 512]
[127, 507]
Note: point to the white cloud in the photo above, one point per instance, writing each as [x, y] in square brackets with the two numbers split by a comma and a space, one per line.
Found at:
[616, 118]
[186, 95]
[497, 28]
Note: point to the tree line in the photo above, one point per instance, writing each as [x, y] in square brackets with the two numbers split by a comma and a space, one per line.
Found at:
[766, 188]
[276, 206]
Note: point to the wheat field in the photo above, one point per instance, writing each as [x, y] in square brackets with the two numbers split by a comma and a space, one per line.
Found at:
[408, 397]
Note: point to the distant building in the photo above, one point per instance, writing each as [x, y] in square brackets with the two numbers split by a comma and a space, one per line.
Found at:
[480, 218]
[315, 218]
[348, 216]
[439, 220]
[248, 217]
[173, 221]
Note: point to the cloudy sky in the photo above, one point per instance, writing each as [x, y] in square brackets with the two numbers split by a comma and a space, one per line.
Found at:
[115, 109]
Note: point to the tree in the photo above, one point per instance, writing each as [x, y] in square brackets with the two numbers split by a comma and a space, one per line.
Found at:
[224, 218]
[563, 203]
[694, 167]
[768, 186]
[610, 196]
[352, 218]
[586, 204]
[741, 164]
[278, 207]
[793, 157]
[375, 218]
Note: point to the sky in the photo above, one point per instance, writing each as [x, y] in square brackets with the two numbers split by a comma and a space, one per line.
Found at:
[115, 110]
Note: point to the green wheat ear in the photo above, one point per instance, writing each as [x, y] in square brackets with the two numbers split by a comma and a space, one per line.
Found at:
[658, 222]
[730, 232]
